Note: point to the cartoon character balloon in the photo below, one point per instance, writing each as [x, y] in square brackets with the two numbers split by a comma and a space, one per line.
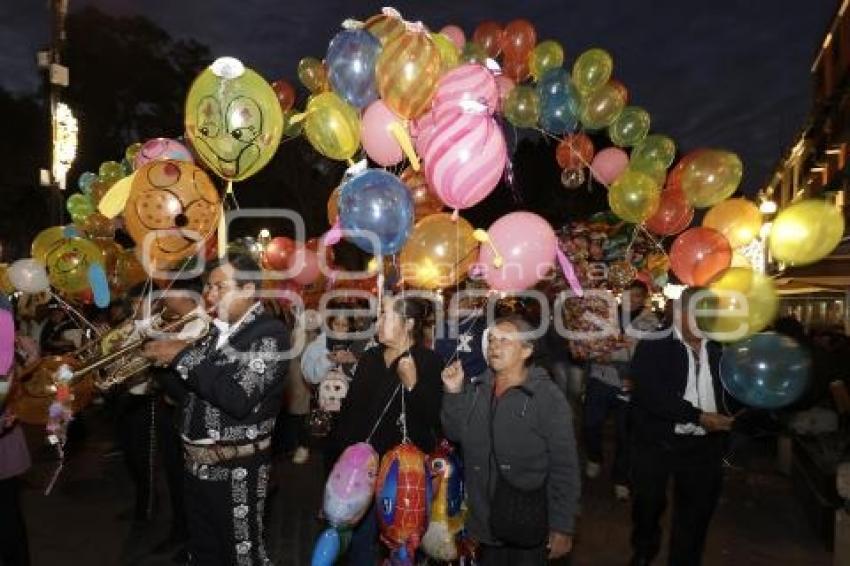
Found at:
[448, 511]
[351, 485]
[159, 149]
[176, 198]
[402, 499]
[68, 265]
[233, 119]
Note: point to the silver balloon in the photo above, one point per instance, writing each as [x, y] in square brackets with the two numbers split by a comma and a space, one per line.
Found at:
[573, 178]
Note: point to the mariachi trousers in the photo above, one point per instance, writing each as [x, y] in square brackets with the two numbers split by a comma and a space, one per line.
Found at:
[225, 503]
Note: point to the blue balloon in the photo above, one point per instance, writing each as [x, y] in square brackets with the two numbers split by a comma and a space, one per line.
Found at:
[766, 370]
[559, 102]
[377, 205]
[351, 66]
[99, 285]
[555, 83]
[85, 181]
[327, 548]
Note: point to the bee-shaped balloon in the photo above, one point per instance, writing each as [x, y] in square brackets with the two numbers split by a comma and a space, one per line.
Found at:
[69, 264]
[233, 119]
[173, 206]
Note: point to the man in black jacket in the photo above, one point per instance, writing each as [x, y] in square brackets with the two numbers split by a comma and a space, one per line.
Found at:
[234, 380]
[681, 415]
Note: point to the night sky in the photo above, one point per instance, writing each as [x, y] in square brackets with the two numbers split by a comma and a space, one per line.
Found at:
[725, 73]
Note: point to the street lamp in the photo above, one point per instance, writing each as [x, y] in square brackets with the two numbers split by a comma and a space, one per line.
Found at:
[64, 143]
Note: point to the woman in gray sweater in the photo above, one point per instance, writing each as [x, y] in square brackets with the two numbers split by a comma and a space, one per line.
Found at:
[535, 444]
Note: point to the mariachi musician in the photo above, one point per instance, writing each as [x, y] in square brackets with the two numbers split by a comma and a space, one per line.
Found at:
[233, 381]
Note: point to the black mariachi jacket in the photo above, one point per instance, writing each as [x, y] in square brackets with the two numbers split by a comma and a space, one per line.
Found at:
[234, 393]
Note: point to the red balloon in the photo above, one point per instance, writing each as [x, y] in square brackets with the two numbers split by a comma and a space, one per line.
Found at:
[699, 255]
[306, 265]
[674, 179]
[519, 40]
[285, 94]
[621, 88]
[574, 151]
[489, 35]
[674, 213]
[278, 254]
[516, 69]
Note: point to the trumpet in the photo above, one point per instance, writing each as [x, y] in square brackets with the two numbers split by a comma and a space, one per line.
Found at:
[125, 362]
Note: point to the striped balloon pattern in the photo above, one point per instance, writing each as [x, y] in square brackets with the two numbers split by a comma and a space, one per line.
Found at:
[464, 158]
[470, 83]
[385, 27]
[407, 73]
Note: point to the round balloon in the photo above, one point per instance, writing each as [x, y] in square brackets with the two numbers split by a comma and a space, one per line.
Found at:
[172, 208]
[376, 132]
[766, 371]
[738, 219]
[592, 70]
[711, 176]
[630, 127]
[161, 149]
[85, 181]
[519, 39]
[634, 196]
[674, 213]
[464, 159]
[407, 72]
[806, 232]
[698, 255]
[609, 164]
[522, 107]
[28, 276]
[575, 151]
[332, 126]
[525, 248]
[68, 265]
[545, 56]
[652, 151]
[333, 206]
[386, 27]
[351, 66]
[449, 54]
[278, 253]
[285, 93]
[313, 75]
[469, 83]
[47, 240]
[439, 252]
[743, 302]
[377, 205]
[425, 203]
[233, 119]
[456, 34]
[601, 107]
[489, 36]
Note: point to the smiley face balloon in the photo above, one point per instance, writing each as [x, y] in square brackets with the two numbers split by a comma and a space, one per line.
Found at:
[172, 208]
[68, 264]
[233, 119]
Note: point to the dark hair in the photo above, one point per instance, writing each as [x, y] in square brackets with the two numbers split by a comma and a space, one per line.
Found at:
[246, 267]
[415, 309]
[637, 284]
[138, 290]
[194, 285]
[525, 327]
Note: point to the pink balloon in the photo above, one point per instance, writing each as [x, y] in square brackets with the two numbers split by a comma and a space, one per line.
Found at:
[306, 266]
[7, 341]
[375, 135]
[420, 129]
[463, 158]
[526, 244]
[608, 164]
[455, 33]
[468, 83]
[505, 84]
[160, 149]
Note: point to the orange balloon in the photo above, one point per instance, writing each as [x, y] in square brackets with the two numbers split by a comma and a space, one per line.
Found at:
[439, 252]
[517, 69]
[737, 218]
[385, 27]
[333, 206]
[98, 189]
[490, 36]
[520, 39]
[425, 203]
[127, 271]
[674, 213]
[574, 151]
[699, 255]
[97, 225]
[407, 72]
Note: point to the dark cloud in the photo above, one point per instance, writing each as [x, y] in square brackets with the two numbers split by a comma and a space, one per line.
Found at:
[726, 73]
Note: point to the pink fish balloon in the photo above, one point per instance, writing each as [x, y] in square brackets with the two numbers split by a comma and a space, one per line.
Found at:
[464, 157]
[521, 251]
[468, 84]
[351, 485]
[162, 149]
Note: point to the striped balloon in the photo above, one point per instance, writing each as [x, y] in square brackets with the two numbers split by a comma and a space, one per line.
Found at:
[386, 27]
[468, 83]
[407, 72]
[464, 158]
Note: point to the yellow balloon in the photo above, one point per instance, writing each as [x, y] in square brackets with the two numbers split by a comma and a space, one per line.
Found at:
[806, 232]
[233, 119]
[68, 265]
[711, 176]
[743, 302]
[313, 75]
[46, 241]
[738, 219]
[5, 284]
[332, 126]
[439, 252]
[449, 53]
[546, 55]
[601, 107]
[407, 72]
[634, 196]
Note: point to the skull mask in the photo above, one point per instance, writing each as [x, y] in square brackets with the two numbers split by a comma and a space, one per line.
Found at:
[332, 391]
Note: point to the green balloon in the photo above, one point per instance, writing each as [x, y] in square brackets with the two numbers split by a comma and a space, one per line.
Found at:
[630, 127]
[522, 107]
[547, 55]
[473, 53]
[592, 70]
[600, 108]
[79, 205]
[655, 149]
[111, 171]
[634, 196]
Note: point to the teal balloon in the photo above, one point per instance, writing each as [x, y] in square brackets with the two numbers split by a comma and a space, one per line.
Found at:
[766, 370]
[351, 61]
[99, 285]
[377, 210]
[554, 83]
[85, 181]
[327, 548]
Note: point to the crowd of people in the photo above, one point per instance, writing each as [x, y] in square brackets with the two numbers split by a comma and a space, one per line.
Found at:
[223, 399]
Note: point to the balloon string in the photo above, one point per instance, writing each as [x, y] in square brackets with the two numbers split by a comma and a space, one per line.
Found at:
[576, 153]
[71, 310]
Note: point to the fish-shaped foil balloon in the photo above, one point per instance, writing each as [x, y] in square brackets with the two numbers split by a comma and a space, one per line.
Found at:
[351, 485]
[448, 510]
[402, 499]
